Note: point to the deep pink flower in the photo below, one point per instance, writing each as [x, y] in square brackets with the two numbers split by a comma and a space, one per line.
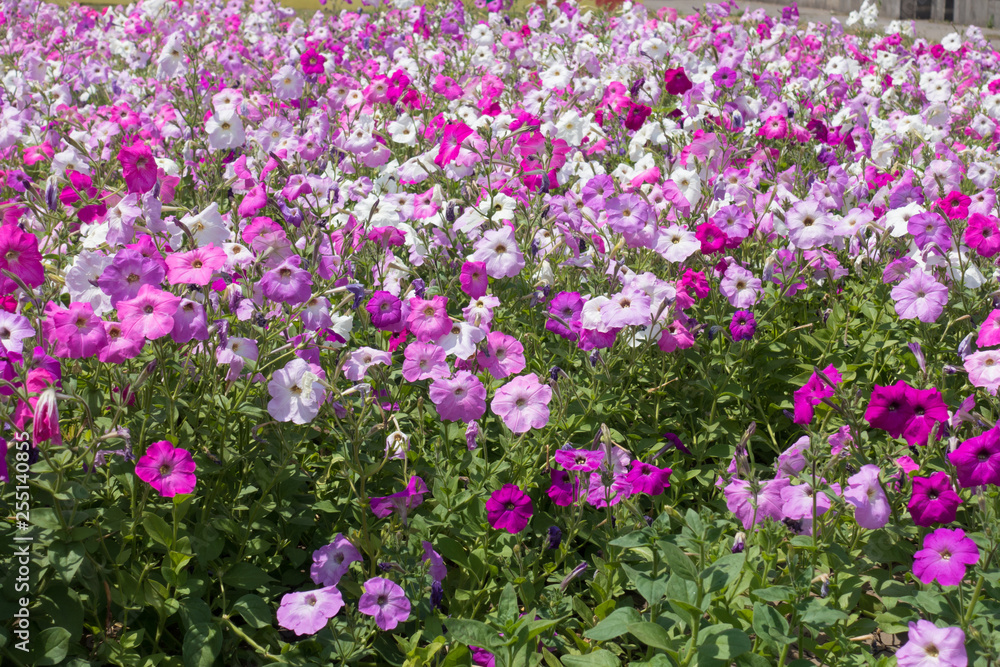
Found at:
[138, 167]
[428, 319]
[19, 255]
[813, 392]
[944, 557]
[977, 460]
[424, 361]
[509, 508]
[385, 601]
[565, 310]
[989, 330]
[168, 469]
[928, 408]
[983, 235]
[582, 460]
[385, 309]
[647, 478]
[312, 61]
[474, 279]
[933, 500]
[563, 492]
[120, 344]
[451, 143]
[889, 408]
[523, 403]
[676, 81]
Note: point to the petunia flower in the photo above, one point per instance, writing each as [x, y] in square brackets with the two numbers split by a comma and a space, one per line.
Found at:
[385, 601]
[977, 460]
[168, 469]
[296, 393]
[920, 297]
[930, 646]
[523, 403]
[944, 557]
[509, 508]
[332, 561]
[871, 506]
[459, 398]
[149, 314]
[933, 500]
[307, 612]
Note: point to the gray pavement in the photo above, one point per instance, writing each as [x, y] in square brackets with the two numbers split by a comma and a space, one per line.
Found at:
[932, 31]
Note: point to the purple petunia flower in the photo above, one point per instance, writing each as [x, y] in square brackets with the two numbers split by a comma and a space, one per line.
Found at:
[977, 460]
[385, 601]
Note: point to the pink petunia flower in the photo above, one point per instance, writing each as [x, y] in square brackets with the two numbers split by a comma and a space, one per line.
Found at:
[424, 361]
[76, 331]
[168, 469]
[740, 286]
[149, 314]
[357, 364]
[401, 502]
[581, 460]
[307, 612]
[647, 478]
[19, 255]
[428, 318]
[930, 646]
[933, 500]
[195, 267]
[523, 403]
[989, 330]
[504, 355]
[459, 398]
[438, 570]
[451, 143]
[474, 279]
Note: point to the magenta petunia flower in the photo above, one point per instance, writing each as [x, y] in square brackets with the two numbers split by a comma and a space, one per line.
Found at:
[983, 234]
[138, 167]
[428, 319]
[509, 508]
[889, 408]
[168, 469]
[581, 460]
[930, 646]
[676, 81]
[565, 310]
[149, 314]
[195, 267]
[19, 254]
[813, 392]
[523, 403]
[562, 491]
[401, 502]
[920, 297]
[989, 330]
[871, 506]
[928, 409]
[385, 309]
[647, 478]
[459, 398]
[977, 460]
[451, 143]
[312, 61]
[385, 601]
[944, 557]
[743, 325]
[474, 279]
[306, 612]
[933, 500]
[332, 561]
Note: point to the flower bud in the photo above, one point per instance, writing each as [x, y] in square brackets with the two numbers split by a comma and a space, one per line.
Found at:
[577, 571]
[554, 537]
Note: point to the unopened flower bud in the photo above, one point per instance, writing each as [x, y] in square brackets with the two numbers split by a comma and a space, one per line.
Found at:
[577, 571]
[555, 537]
[739, 542]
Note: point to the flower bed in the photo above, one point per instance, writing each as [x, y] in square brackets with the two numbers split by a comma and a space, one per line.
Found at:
[444, 336]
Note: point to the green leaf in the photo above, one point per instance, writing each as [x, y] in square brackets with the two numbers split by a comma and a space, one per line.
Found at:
[615, 625]
[246, 576]
[678, 561]
[54, 644]
[651, 589]
[473, 633]
[723, 572]
[202, 645]
[774, 594]
[651, 634]
[769, 625]
[723, 645]
[158, 529]
[507, 608]
[254, 610]
[816, 613]
[599, 658]
[638, 538]
[66, 559]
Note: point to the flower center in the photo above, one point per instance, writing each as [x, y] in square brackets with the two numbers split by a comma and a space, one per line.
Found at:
[148, 310]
